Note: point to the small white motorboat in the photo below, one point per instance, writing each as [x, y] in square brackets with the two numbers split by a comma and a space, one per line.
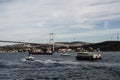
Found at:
[30, 58]
[65, 54]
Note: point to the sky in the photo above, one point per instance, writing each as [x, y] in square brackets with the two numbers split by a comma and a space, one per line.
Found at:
[69, 20]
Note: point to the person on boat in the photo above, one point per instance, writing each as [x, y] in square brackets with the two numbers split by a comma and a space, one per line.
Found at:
[29, 52]
[98, 50]
[30, 58]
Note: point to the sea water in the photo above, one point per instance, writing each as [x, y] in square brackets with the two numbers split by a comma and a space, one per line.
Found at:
[13, 66]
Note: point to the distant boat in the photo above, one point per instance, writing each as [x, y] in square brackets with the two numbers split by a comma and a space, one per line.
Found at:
[49, 51]
[34, 51]
[40, 53]
[65, 54]
[88, 56]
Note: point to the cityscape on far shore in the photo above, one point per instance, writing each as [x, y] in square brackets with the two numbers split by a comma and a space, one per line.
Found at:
[63, 46]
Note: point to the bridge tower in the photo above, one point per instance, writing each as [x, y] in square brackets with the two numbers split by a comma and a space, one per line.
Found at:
[51, 41]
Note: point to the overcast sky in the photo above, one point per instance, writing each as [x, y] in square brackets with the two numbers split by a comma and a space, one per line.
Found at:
[69, 20]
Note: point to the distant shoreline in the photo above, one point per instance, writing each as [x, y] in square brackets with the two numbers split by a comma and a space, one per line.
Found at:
[106, 46]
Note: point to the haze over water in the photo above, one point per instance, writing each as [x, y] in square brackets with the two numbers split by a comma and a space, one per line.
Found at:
[13, 66]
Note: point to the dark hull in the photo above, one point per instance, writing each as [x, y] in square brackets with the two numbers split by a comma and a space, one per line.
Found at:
[40, 53]
[86, 58]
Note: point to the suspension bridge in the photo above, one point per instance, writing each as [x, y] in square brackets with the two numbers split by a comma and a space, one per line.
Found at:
[17, 42]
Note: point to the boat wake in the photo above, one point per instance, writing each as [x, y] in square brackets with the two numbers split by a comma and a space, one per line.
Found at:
[50, 61]
[97, 63]
[46, 61]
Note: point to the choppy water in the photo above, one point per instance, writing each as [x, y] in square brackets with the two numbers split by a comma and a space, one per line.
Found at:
[13, 66]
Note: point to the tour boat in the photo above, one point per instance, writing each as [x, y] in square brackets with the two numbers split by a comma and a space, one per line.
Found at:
[40, 53]
[88, 56]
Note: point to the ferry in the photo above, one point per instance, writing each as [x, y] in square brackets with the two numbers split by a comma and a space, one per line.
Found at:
[88, 56]
[40, 52]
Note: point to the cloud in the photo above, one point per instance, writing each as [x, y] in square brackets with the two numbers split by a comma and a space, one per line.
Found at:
[106, 25]
[33, 20]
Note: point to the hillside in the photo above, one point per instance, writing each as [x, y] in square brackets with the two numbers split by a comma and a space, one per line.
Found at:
[75, 43]
[105, 46]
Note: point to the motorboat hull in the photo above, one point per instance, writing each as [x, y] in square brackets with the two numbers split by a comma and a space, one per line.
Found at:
[88, 56]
